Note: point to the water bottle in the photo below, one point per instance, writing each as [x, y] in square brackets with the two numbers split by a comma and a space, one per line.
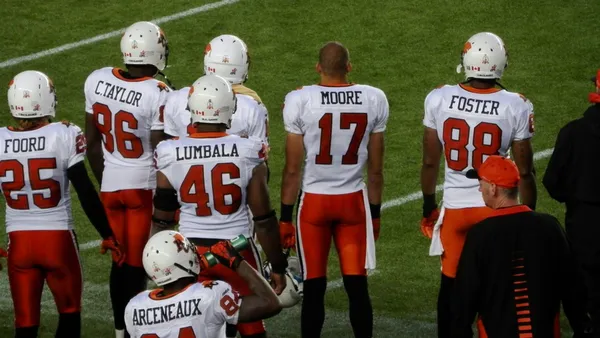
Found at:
[239, 243]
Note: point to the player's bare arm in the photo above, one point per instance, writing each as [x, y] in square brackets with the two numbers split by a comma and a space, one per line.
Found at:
[523, 156]
[375, 149]
[432, 153]
[94, 147]
[165, 205]
[266, 226]
[94, 210]
[156, 136]
[263, 303]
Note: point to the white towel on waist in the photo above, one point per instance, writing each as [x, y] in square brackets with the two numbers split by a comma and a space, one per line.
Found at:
[370, 259]
[436, 248]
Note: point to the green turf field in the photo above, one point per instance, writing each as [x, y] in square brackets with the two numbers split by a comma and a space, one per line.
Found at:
[405, 47]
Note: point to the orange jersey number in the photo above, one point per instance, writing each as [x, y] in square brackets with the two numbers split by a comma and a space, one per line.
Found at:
[324, 156]
[195, 179]
[120, 135]
[34, 165]
[184, 332]
[487, 138]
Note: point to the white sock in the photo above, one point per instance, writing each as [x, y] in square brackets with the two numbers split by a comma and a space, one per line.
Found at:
[120, 333]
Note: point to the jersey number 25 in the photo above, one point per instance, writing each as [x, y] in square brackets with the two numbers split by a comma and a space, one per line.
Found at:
[487, 139]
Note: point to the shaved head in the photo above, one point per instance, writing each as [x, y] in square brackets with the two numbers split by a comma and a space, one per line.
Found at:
[334, 59]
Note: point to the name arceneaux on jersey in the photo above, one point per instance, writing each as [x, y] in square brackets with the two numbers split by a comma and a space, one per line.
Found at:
[206, 151]
[162, 314]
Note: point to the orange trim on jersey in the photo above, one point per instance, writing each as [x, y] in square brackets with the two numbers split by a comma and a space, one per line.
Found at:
[154, 294]
[337, 85]
[510, 210]
[480, 91]
[209, 134]
[118, 73]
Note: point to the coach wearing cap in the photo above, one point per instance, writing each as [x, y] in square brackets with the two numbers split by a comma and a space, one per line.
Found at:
[515, 267]
[572, 177]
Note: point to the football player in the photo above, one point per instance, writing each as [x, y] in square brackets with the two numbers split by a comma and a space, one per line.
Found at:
[188, 308]
[215, 179]
[334, 127]
[467, 123]
[38, 160]
[123, 125]
[227, 56]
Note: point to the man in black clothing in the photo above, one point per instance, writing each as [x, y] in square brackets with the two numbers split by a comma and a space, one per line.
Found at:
[571, 178]
[515, 267]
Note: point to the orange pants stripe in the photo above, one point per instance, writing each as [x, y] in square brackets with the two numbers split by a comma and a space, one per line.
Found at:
[35, 256]
[221, 272]
[129, 213]
[321, 217]
[455, 225]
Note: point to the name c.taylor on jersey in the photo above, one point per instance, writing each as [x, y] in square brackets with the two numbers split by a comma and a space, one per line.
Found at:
[469, 105]
[162, 314]
[117, 93]
[206, 151]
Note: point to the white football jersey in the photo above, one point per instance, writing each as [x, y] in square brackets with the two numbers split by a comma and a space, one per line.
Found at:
[210, 173]
[33, 175]
[125, 111]
[471, 125]
[250, 119]
[200, 310]
[336, 123]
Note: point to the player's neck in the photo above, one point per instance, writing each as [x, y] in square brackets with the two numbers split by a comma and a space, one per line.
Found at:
[136, 72]
[481, 84]
[210, 128]
[176, 286]
[505, 202]
[327, 80]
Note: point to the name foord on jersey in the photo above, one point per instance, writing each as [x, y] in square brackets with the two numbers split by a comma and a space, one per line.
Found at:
[341, 97]
[118, 93]
[23, 145]
[167, 313]
[206, 151]
[471, 105]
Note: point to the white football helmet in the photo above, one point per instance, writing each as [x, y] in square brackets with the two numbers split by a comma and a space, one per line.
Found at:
[168, 256]
[211, 100]
[144, 43]
[31, 95]
[227, 56]
[292, 294]
[484, 56]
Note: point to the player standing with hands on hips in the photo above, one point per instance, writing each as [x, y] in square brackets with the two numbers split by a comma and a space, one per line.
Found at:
[334, 127]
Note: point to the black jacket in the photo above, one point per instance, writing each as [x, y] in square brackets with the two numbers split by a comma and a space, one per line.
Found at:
[573, 172]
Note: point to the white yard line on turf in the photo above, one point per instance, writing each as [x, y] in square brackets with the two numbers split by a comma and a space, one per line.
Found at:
[109, 35]
[389, 204]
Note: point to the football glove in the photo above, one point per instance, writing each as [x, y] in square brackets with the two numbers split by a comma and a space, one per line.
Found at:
[427, 223]
[376, 227]
[110, 243]
[288, 234]
[3, 253]
[226, 254]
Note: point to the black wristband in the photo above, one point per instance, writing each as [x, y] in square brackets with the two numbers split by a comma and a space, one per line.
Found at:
[375, 210]
[264, 217]
[428, 204]
[286, 212]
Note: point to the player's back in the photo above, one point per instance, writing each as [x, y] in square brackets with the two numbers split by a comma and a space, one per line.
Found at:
[199, 310]
[336, 123]
[473, 124]
[125, 111]
[33, 174]
[211, 173]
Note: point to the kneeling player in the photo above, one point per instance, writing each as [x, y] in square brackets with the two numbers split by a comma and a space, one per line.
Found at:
[185, 308]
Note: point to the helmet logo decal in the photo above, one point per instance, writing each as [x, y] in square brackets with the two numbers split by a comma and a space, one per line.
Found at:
[134, 44]
[26, 94]
[209, 105]
[467, 47]
[493, 69]
[11, 82]
[36, 107]
[485, 60]
[233, 71]
[162, 39]
[207, 49]
[216, 113]
[225, 59]
[143, 54]
[181, 245]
